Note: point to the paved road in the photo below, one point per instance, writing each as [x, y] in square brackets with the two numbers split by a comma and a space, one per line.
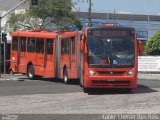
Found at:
[48, 96]
[20, 85]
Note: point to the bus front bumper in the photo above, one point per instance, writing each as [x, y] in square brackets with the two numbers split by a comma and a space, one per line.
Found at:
[110, 82]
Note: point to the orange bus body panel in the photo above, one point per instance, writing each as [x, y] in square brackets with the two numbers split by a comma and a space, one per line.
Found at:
[112, 77]
[44, 64]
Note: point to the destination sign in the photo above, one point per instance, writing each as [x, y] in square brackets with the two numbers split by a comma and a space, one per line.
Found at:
[110, 33]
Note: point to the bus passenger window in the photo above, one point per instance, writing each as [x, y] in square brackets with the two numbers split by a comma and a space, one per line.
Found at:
[65, 46]
[31, 45]
[40, 45]
[49, 46]
[15, 43]
[23, 44]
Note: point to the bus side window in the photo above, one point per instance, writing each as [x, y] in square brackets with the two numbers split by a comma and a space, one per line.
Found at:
[49, 46]
[65, 46]
[40, 45]
[31, 45]
[15, 43]
[23, 44]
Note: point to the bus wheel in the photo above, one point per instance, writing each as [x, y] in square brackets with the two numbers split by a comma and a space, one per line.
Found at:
[65, 76]
[31, 74]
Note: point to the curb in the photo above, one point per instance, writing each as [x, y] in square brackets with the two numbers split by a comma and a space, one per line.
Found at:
[148, 76]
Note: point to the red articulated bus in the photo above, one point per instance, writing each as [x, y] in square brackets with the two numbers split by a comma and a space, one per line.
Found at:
[102, 57]
[45, 54]
[109, 57]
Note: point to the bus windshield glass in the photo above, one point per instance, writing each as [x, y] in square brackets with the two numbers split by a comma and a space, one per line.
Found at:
[113, 47]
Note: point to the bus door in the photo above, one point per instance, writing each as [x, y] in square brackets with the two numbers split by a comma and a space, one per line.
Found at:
[73, 64]
[57, 57]
[49, 58]
[22, 55]
[68, 59]
[14, 54]
[40, 57]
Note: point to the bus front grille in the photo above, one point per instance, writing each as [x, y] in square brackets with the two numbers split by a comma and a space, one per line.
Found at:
[112, 72]
[105, 82]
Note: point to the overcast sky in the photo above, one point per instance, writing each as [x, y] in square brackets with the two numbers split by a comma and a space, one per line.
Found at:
[148, 7]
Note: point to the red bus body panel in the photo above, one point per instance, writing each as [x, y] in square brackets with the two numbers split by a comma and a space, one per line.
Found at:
[44, 64]
[104, 78]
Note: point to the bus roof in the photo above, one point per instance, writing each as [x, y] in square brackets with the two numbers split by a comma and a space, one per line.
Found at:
[42, 33]
[110, 26]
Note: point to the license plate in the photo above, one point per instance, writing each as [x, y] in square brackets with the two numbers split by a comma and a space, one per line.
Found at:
[111, 79]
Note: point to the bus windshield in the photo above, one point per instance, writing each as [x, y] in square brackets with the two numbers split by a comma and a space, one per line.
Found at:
[111, 48]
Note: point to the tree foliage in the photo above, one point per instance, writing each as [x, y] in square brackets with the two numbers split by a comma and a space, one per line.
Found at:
[59, 10]
[22, 22]
[153, 44]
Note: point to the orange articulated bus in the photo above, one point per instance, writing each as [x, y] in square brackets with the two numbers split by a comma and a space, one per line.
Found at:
[108, 56]
[101, 57]
[45, 54]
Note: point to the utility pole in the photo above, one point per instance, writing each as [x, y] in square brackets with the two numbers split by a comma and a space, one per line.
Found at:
[89, 14]
[0, 47]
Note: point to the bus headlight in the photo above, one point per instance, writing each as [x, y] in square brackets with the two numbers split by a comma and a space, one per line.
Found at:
[131, 72]
[92, 72]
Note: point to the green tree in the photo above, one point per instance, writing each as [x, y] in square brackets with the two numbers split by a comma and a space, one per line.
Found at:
[58, 10]
[153, 44]
[22, 22]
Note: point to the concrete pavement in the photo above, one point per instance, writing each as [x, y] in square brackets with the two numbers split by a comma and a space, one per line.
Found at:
[148, 76]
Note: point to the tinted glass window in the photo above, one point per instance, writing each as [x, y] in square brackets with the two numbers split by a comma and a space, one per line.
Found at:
[49, 46]
[111, 48]
[40, 45]
[65, 46]
[31, 45]
[15, 43]
[23, 44]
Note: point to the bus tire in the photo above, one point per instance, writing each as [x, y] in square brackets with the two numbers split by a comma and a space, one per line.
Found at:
[30, 72]
[65, 76]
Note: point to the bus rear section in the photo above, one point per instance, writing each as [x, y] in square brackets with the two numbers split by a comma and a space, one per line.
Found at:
[44, 54]
[109, 58]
